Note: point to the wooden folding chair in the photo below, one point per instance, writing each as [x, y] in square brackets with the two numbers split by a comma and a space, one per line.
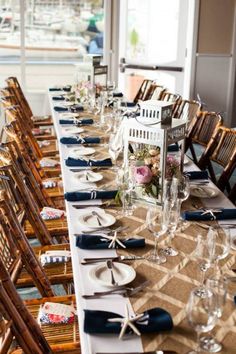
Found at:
[20, 323]
[31, 272]
[14, 132]
[154, 92]
[186, 110]
[8, 99]
[200, 131]
[222, 151]
[143, 90]
[14, 85]
[14, 113]
[53, 197]
[232, 194]
[48, 231]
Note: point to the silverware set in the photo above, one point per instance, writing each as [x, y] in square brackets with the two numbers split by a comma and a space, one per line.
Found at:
[122, 290]
[105, 230]
[113, 259]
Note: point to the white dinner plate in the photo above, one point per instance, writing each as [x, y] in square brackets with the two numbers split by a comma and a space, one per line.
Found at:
[72, 130]
[123, 274]
[68, 115]
[203, 191]
[88, 176]
[81, 151]
[87, 220]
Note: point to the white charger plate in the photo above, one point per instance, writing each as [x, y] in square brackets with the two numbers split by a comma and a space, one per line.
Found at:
[123, 274]
[92, 222]
[203, 191]
[91, 176]
[72, 130]
[81, 151]
[65, 104]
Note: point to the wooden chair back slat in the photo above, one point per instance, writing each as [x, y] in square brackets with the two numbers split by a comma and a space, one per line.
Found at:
[143, 90]
[187, 110]
[154, 92]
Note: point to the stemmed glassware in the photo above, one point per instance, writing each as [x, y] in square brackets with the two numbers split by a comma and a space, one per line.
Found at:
[181, 186]
[157, 225]
[222, 246]
[219, 287]
[115, 147]
[201, 313]
[172, 220]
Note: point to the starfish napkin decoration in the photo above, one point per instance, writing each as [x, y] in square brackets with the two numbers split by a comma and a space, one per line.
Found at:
[211, 212]
[114, 239]
[126, 322]
[79, 139]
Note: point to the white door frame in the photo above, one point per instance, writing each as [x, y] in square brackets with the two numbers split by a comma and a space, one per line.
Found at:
[232, 78]
[191, 44]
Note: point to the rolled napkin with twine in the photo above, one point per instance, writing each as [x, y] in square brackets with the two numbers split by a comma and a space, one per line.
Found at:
[58, 98]
[63, 88]
[84, 162]
[70, 140]
[128, 104]
[77, 196]
[117, 94]
[85, 121]
[150, 321]
[73, 109]
[196, 174]
[101, 242]
[173, 148]
[209, 214]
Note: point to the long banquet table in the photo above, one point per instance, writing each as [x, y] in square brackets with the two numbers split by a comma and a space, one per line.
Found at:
[170, 283]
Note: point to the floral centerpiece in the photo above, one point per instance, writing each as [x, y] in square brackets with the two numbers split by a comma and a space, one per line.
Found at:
[82, 91]
[146, 170]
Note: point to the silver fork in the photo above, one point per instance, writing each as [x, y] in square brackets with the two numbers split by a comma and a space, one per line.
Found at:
[110, 266]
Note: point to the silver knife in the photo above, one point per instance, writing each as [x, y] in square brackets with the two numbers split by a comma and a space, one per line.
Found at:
[114, 259]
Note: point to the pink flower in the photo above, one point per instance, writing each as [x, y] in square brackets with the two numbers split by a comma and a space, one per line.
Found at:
[142, 174]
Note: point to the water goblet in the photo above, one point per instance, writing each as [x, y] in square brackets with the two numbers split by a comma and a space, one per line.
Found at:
[181, 186]
[219, 287]
[201, 313]
[172, 219]
[203, 254]
[222, 243]
[156, 224]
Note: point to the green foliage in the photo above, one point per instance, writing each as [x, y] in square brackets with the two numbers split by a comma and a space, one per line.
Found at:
[134, 38]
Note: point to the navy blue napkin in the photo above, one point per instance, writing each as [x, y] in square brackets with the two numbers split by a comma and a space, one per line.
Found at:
[58, 98]
[128, 104]
[173, 148]
[77, 140]
[223, 214]
[155, 320]
[85, 121]
[73, 109]
[117, 94]
[77, 196]
[197, 174]
[95, 242]
[80, 162]
[64, 88]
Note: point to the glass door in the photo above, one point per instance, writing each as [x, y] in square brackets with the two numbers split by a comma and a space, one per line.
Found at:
[153, 35]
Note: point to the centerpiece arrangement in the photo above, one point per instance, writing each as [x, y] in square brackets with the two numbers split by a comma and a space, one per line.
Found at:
[146, 171]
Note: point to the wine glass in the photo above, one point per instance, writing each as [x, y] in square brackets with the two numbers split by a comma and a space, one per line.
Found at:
[222, 242]
[157, 225]
[169, 190]
[201, 313]
[181, 186]
[219, 287]
[203, 254]
[172, 219]
[115, 147]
